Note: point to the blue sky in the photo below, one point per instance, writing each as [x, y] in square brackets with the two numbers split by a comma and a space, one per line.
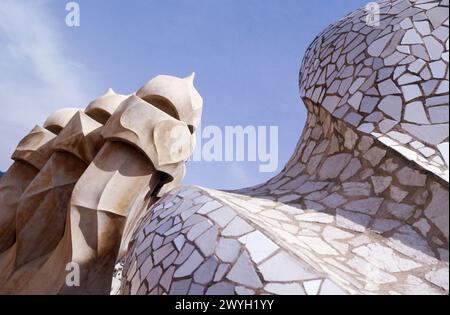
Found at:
[246, 54]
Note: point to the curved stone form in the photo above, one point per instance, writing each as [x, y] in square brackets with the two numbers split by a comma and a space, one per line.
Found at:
[389, 81]
[176, 97]
[43, 204]
[59, 119]
[30, 156]
[103, 107]
[76, 210]
[361, 207]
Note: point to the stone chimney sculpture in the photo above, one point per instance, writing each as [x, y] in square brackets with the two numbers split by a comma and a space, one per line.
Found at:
[75, 204]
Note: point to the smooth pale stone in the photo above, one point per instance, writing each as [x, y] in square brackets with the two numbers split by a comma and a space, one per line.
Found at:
[244, 291]
[153, 277]
[394, 59]
[388, 141]
[207, 241]
[166, 278]
[406, 24]
[392, 106]
[173, 230]
[423, 27]
[356, 189]
[243, 272]
[415, 286]
[423, 226]
[315, 217]
[162, 253]
[355, 100]
[222, 216]
[318, 245]
[312, 287]
[288, 198]
[222, 288]
[436, 100]
[412, 37]
[438, 69]
[333, 233]
[387, 125]
[437, 211]
[352, 221]
[334, 165]
[291, 269]
[196, 289]
[285, 288]
[372, 274]
[366, 128]
[439, 277]
[352, 168]
[135, 284]
[259, 246]
[350, 139]
[439, 114]
[330, 288]
[189, 265]
[408, 78]
[388, 87]
[368, 105]
[444, 149]
[210, 206]
[184, 254]
[415, 112]
[434, 47]
[330, 103]
[353, 118]
[228, 250]
[381, 183]
[408, 242]
[427, 152]
[205, 273]
[429, 86]
[385, 258]
[397, 194]
[366, 206]
[376, 48]
[443, 87]
[356, 85]
[275, 214]
[374, 156]
[179, 242]
[311, 187]
[193, 220]
[237, 227]
[334, 200]
[400, 210]
[198, 229]
[383, 225]
[221, 271]
[180, 287]
[411, 92]
[409, 177]
[432, 134]
[416, 66]
[295, 183]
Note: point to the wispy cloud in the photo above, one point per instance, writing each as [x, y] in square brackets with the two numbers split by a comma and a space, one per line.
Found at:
[35, 76]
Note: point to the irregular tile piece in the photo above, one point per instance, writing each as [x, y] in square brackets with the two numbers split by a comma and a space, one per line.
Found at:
[291, 271]
[244, 273]
[258, 245]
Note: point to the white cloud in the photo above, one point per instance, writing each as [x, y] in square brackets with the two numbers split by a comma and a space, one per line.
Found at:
[35, 76]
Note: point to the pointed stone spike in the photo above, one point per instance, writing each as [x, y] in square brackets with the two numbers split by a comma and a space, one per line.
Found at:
[110, 91]
[191, 77]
